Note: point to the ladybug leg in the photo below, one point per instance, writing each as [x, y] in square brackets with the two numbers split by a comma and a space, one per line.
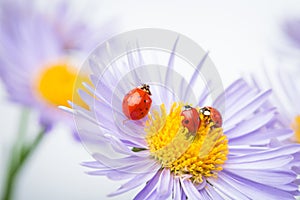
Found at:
[189, 134]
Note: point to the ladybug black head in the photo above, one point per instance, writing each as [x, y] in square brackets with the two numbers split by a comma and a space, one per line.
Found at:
[205, 111]
[146, 88]
[187, 107]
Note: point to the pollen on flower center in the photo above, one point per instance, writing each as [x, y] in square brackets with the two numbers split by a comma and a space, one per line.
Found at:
[55, 84]
[296, 128]
[194, 155]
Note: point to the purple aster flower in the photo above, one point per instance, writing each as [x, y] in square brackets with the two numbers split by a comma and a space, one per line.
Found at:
[243, 159]
[38, 49]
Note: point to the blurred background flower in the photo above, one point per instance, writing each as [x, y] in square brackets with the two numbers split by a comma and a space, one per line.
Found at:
[283, 79]
[237, 34]
[289, 78]
[41, 51]
[280, 71]
[40, 55]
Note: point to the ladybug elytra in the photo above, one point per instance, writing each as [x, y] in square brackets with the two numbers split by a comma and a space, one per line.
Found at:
[191, 118]
[137, 102]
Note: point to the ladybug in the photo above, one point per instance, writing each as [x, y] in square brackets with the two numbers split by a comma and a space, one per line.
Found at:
[191, 118]
[211, 114]
[137, 102]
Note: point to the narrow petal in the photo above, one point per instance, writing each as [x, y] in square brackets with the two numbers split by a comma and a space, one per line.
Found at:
[93, 164]
[268, 154]
[235, 86]
[195, 75]
[164, 189]
[149, 188]
[177, 189]
[271, 163]
[213, 193]
[133, 183]
[261, 137]
[120, 163]
[255, 190]
[249, 125]
[266, 177]
[226, 188]
[246, 108]
[189, 189]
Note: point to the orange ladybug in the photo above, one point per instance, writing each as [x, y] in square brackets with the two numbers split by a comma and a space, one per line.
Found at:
[137, 102]
[212, 115]
[191, 118]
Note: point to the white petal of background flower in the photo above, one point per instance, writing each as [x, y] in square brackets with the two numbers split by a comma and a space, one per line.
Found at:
[237, 34]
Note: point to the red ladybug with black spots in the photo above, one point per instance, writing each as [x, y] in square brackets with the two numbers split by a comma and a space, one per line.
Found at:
[137, 102]
[191, 118]
[211, 114]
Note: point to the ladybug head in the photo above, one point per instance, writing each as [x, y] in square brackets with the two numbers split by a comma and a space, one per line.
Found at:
[187, 107]
[205, 111]
[146, 88]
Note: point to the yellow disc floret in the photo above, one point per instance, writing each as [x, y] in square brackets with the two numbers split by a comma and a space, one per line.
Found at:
[194, 155]
[55, 84]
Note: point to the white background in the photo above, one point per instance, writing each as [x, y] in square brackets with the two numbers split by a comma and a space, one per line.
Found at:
[239, 35]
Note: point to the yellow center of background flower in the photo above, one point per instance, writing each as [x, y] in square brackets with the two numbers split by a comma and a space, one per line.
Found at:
[55, 84]
[195, 155]
[296, 128]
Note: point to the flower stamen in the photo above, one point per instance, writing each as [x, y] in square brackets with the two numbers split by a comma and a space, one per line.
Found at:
[186, 154]
[296, 128]
[55, 84]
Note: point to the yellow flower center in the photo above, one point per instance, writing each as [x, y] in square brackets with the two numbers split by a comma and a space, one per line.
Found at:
[296, 128]
[55, 84]
[194, 155]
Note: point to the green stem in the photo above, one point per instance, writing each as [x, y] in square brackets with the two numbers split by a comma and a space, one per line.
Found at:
[20, 153]
[19, 140]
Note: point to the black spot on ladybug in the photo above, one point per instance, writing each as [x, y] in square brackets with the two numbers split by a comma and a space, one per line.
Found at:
[141, 109]
[144, 100]
[142, 113]
[186, 121]
[146, 108]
